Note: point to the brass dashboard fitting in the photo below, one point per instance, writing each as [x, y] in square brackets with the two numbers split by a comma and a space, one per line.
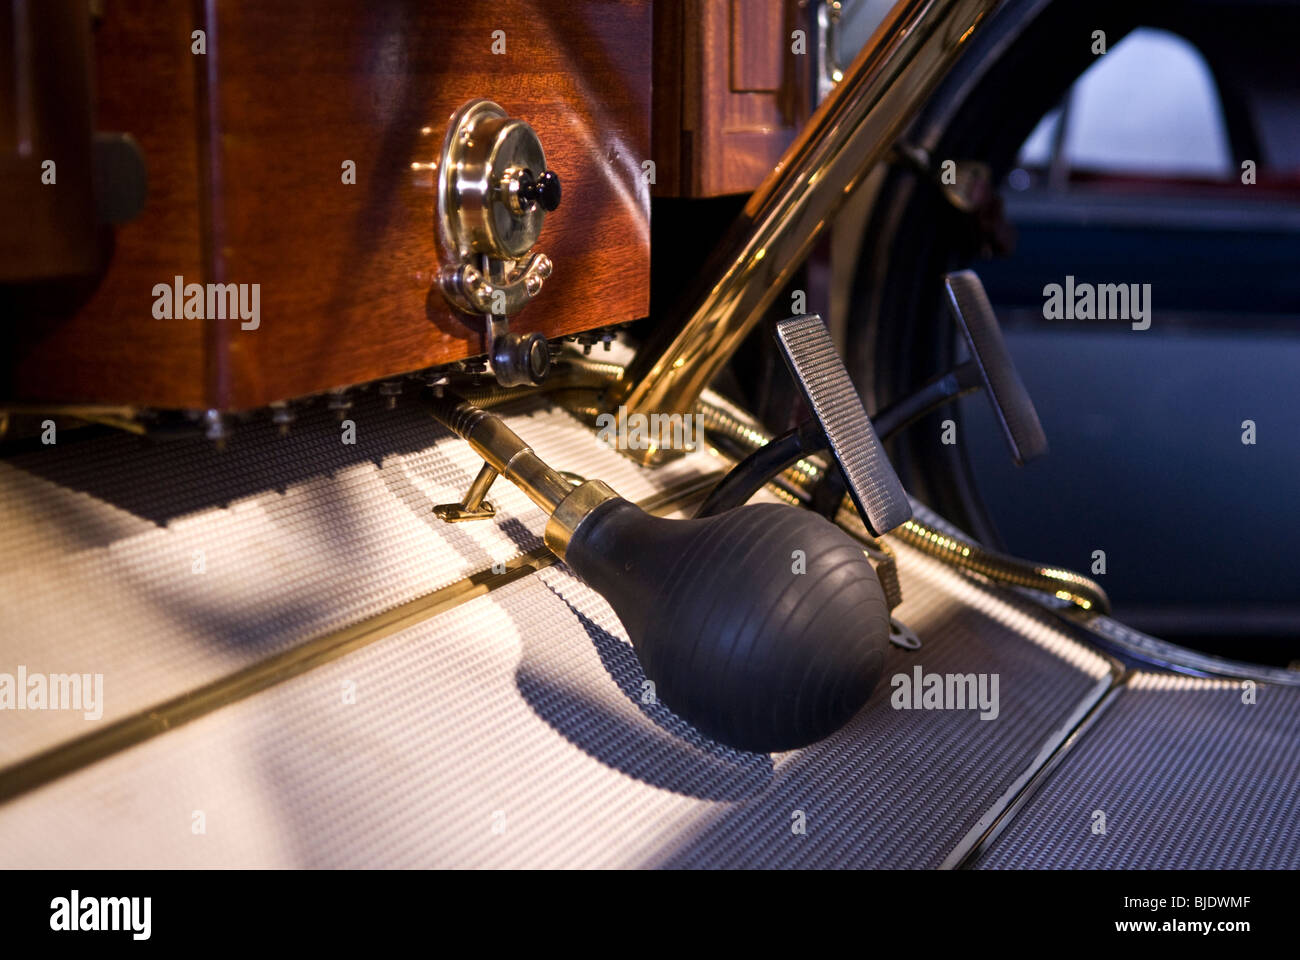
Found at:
[485, 157]
[494, 192]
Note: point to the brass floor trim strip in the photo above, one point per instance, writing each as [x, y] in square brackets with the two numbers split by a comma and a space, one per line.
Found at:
[65, 758]
[982, 836]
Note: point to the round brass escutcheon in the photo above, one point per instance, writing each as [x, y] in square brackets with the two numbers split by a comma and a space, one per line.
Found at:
[487, 158]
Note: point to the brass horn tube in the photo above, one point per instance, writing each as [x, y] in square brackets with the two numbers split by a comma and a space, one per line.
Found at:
[846, 137]
[497, 443]
[504, 451]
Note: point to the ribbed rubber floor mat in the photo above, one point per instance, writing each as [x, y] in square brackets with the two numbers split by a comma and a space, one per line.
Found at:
[506, 731]
[166, 565]
[1176, 773]
[510, 732]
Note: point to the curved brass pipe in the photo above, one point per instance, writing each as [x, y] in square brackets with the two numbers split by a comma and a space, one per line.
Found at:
[580, 382]
[1065, 584]
[852, 131]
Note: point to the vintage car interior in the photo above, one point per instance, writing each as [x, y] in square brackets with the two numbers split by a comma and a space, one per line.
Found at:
[628, 433]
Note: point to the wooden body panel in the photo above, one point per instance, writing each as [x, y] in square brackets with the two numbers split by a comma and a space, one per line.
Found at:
[346, 271]
[105, 346]
[247, 188]
[730, 92]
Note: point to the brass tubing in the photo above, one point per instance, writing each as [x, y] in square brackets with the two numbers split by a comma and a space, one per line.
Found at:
[566, 506]
[1065, 584]
[503, 450]
[849, 134]
[1084, 593]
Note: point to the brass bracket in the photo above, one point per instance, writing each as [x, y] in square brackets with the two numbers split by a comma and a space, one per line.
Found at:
[473, 507]
[468, 288]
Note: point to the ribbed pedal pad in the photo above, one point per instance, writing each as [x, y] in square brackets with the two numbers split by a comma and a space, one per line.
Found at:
[1006, 391]
[825, 383]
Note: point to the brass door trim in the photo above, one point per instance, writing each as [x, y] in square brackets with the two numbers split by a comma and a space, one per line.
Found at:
[72, 755]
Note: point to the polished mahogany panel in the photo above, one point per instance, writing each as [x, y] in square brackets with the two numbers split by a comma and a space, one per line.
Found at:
[345, 270]
[730, 91]
[249, 189]
[96, 339]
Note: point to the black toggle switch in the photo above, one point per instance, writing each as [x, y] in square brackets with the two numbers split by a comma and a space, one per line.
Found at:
[544, 190]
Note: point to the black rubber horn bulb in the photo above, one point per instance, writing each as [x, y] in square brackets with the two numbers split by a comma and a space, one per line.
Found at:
[765, 626]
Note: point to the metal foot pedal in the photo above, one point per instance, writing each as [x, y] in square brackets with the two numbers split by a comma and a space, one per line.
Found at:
[840, 422]
[817, 368]
[992, 362]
